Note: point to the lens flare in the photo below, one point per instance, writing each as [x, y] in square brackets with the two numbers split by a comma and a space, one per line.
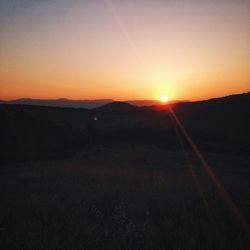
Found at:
[163, 98]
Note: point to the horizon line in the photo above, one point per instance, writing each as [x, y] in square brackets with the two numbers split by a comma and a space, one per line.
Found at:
[120, 100]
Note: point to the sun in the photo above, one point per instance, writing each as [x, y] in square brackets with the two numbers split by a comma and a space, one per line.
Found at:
[163, 98]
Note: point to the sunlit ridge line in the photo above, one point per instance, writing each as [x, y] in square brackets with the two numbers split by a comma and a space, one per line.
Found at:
[212, 176]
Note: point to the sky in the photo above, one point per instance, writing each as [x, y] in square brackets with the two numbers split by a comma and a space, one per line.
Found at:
[124, 50]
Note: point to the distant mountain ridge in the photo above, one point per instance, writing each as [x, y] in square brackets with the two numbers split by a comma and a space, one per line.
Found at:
[62, 102]
[89, 104]
[218, 125]
[96, 103]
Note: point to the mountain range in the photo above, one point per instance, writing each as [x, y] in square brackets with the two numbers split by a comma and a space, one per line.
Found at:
[68, 103]
[30, 132]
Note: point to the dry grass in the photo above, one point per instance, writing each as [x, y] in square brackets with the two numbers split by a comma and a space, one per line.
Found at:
[122, 198]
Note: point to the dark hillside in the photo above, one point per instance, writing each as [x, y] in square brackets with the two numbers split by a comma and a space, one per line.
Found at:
[31, 132]
[219, 124]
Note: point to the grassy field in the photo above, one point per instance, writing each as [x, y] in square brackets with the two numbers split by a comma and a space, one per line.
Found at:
[123, 198]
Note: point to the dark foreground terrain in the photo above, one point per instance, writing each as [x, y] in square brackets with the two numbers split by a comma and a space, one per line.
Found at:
[123, 197]
[47, 133]
[126, 177]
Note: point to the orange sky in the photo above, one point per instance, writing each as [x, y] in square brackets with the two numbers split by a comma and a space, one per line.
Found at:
[124, 50]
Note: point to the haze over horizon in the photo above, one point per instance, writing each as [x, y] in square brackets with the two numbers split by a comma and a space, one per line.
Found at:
[124, 50]
[120, 100]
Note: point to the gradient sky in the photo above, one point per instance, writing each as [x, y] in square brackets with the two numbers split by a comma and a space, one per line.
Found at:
[140, 49]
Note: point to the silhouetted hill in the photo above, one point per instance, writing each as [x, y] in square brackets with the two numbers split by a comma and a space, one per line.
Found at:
[225, 121]
[117, 107]
[143, 103]
[32, 132]
[63, 102]
[238, 101]
[68, 103]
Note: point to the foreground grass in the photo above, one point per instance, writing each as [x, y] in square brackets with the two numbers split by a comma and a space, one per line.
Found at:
[122, 198]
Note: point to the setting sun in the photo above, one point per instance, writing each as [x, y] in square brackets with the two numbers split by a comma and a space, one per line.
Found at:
[163, 98]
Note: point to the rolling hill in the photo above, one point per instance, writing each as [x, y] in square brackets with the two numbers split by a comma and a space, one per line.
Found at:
[34, 132]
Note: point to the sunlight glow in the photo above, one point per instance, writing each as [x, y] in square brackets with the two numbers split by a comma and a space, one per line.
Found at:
[164, 98]
[51, 49]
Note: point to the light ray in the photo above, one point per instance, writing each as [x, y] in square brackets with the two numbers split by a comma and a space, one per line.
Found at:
[194, 176]
[123, 29]
[218, 184]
